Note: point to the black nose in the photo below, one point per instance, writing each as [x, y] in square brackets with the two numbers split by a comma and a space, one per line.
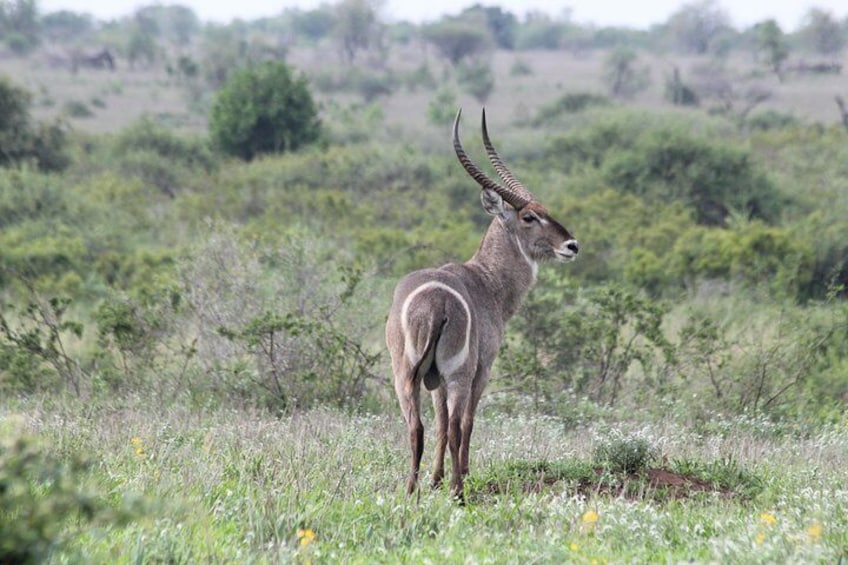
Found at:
[572, 246]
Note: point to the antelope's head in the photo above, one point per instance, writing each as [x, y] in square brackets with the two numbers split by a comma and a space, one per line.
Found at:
[537, 233]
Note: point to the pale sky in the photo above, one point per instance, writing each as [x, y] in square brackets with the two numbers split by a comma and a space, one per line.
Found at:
[628, 13]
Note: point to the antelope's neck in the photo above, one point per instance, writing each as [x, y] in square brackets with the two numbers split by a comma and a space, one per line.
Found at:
[506, 268]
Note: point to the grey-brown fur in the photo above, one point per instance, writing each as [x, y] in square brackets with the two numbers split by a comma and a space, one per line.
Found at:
[445, 325]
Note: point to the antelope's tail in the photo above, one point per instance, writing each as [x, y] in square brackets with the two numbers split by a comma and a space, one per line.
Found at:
[426, 369]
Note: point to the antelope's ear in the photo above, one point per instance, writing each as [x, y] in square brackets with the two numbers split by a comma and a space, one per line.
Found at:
[493, 203]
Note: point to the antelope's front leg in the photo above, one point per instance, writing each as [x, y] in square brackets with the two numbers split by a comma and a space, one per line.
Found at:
[457, 398]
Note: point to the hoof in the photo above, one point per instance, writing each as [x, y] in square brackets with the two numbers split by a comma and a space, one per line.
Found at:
[411, 485]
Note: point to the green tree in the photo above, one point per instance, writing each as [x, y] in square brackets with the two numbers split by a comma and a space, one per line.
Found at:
[356, 26]
[501, 24]
[19, 25]
[697, 25]
[173, 23]
[477, 79]
[224, 49]
[822, 33]
[772, 44]
[457, 41]
[622, 74]
[64, 25]
[264, 108]
[313, 25]
[539, 31]
[21, 139]
[141, 48]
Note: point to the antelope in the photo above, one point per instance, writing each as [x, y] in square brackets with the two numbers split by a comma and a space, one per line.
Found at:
[446, 324]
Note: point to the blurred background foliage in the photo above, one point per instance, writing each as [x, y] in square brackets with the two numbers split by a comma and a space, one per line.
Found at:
[225, 220]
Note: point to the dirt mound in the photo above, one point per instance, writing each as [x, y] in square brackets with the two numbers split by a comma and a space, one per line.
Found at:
[651, 483]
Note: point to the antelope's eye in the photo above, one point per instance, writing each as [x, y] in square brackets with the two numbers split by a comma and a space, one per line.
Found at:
[530, 218]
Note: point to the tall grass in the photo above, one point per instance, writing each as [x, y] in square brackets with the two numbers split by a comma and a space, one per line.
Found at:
[323, 486]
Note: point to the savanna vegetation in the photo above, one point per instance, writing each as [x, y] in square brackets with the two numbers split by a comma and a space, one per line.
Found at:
[200, 228]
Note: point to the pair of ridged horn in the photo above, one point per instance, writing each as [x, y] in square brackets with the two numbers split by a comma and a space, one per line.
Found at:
[514, 192]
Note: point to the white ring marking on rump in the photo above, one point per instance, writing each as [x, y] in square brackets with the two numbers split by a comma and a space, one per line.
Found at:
[445, 366]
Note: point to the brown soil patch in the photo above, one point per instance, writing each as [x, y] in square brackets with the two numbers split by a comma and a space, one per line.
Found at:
[653, 483]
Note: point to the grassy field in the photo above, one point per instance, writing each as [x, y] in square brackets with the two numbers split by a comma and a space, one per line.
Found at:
[234, 486]
[118, 98]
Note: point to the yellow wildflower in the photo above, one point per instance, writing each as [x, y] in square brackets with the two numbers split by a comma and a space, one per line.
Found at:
[305, 536]
[761, 538]
[573, 546]
[138, 446]
[768, 519]
[814, 532]
[589, 517]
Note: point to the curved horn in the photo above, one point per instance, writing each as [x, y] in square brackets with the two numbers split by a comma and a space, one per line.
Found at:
[513, 183]
[515, 199]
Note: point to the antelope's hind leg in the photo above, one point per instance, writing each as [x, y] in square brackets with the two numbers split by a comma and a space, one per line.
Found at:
[408, 388]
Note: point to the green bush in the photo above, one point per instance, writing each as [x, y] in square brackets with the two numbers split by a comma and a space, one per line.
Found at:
[622, 75]
[476, 79]
[668, 163]
[37, 494]
[752, 253]
[160, 158]
[264, 108]
[733, 358]
[540, 33]
[44, 503]
[420, 77]
[77, 109]
[371, 85]
[570, 103]
[441, 109]
[771, 119]
[22, 139]
[146, 135]
[457, 41]
[33, 346]
[624, 454]
[586, 344]
[282, 327]
[679, 93]
[520, 68]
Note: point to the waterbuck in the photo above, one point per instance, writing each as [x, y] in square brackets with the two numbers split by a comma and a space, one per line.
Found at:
[445, 325]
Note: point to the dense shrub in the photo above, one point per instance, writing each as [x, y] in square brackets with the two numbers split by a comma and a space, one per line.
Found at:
[160, 158]
[752, 252]
[281, 327]
[734, 358]
[584, 344]
[24, 140]
[44, 499]
[623, 75]
[670, 164]
[477, 80]
[147, 135]
[458, 41]
[570, 103]
[264, 108]
[540, 33]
